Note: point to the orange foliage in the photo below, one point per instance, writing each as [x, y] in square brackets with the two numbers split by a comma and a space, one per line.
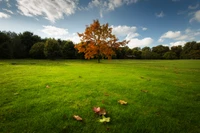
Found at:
[98, 41]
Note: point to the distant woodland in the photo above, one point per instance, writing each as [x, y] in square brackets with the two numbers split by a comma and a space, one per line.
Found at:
[27, 45]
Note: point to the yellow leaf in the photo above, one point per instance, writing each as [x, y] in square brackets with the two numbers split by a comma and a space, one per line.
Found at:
[78, 118]
[122, 102]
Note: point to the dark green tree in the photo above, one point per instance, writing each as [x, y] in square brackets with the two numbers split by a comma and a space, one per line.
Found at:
[160, 50]
[137, 52]
[4, 45]
[146, 53]
[37, 50]
[187, 48]
[170, 55]
[68, 50]
[52, 49]
[27, 41]
[177, 50]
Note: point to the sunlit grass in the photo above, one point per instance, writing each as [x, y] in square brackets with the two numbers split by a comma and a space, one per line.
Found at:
[162, 96]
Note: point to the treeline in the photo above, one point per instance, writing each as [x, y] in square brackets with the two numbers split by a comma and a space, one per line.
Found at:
[28, 45]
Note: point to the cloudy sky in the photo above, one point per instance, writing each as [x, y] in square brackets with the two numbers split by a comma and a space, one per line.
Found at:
[143, 22]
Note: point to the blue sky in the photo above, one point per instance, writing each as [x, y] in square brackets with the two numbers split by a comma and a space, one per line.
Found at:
[142, 22]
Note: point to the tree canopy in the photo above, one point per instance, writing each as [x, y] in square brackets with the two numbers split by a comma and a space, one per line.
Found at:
[98, 41]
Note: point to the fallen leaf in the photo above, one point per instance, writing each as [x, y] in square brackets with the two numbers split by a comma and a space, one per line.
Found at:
[144, 91]
[102, 112]
[99, 111]
[96, 109]
[122, 102]
[104, 119]
[47, 86]
[78, 118]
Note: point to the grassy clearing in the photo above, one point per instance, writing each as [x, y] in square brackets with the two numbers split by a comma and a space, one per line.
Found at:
[171, 103]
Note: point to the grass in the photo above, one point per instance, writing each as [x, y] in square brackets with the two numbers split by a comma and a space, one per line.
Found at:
[163, 96]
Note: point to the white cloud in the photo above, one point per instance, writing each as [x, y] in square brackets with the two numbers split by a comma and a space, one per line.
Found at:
[187, 35]
[196, 17]
[171, 35]
[188, 30]
[160, 40]
[109, 5]
[9, 11]
[4, 15]
[124, 30]
[135, 42]
[73, 37]
[177, 43]
[60, 33]
[160, 15]
[193, 7]
[130, 34]
[144, 28]
[52, 10]
[112, 4]
[54, 31]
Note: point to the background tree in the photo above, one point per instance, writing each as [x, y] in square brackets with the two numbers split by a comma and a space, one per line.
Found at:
[190, 49]
[37, 50]
[4, 45]
[98, 41]
[146, 53]
[52, 49]
[160, 50]
[27, 41]
[68, 50]
[177, 50]
[170, 55]
[137, 52]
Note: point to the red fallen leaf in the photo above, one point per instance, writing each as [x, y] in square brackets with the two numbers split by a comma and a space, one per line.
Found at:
[96, 109]
[78, 118]
[99, 111]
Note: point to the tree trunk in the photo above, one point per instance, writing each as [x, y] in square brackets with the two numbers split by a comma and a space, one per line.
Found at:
[98, 56]
[98, 59]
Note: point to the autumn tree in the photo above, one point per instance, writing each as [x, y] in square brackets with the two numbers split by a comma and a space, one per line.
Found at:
[98, 41]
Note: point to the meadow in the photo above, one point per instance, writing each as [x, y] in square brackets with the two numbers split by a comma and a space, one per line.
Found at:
[41, 96]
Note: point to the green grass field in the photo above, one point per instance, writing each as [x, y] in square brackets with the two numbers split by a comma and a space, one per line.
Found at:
[163, 96]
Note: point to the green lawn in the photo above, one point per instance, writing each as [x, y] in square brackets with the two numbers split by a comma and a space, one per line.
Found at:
[163, 96]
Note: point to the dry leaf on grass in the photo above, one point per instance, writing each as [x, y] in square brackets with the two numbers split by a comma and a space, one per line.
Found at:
[104, 119]
[96, 109]
[47, 86]
[78, 118]
[99, 111]
[122, 102]
[102, 112]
